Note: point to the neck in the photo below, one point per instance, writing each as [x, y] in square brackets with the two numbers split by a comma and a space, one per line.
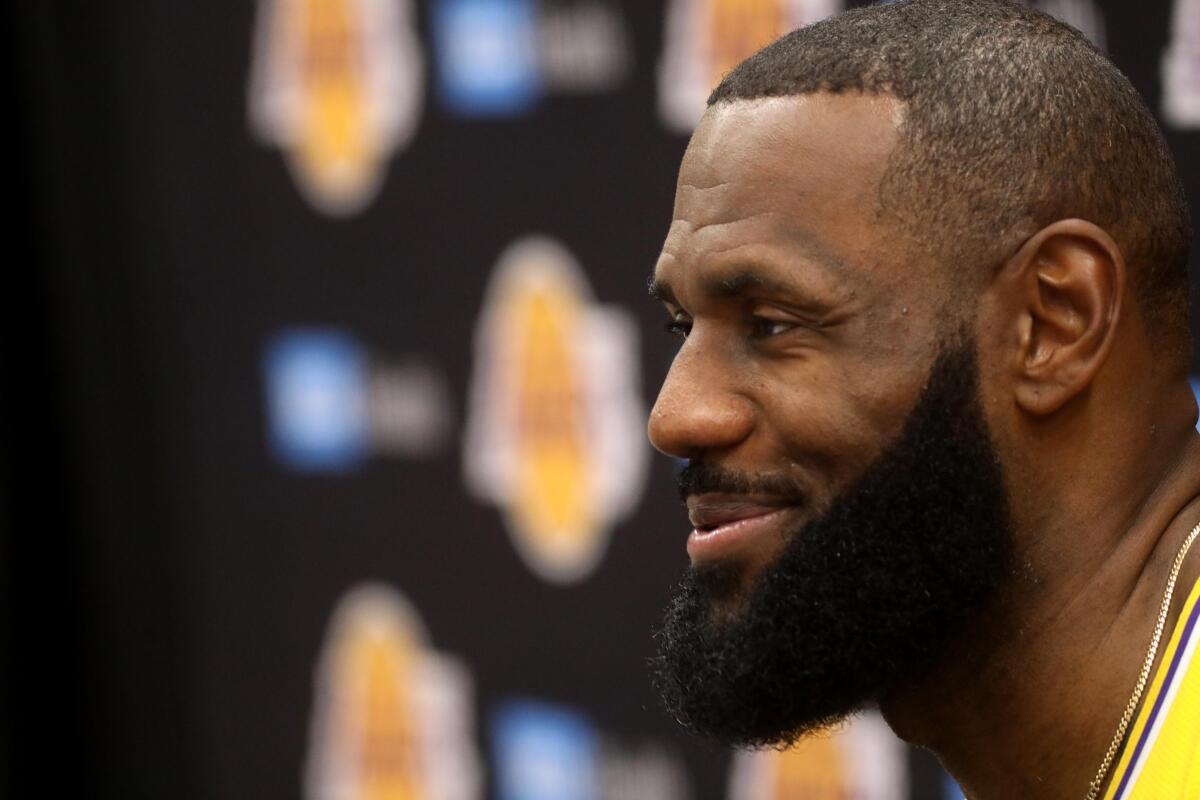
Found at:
[1026, 703]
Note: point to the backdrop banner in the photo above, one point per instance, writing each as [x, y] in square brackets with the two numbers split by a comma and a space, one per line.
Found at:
[352, 358]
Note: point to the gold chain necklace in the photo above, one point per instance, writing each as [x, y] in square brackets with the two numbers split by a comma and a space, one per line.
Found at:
[1098, 781]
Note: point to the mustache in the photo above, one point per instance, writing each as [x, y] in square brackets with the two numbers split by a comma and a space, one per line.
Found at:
[699, 477]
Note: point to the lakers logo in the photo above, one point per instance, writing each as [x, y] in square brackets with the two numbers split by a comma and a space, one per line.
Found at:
[738, 28]
[813, 769]
[336, 84]
[1181, 67]
[707, 38]
[383, 729]
[862, 760]
[554, 434]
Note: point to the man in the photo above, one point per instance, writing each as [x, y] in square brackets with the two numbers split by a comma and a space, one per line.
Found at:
[928, 261]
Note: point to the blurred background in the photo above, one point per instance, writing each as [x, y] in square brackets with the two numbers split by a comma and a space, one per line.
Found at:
[327, 365]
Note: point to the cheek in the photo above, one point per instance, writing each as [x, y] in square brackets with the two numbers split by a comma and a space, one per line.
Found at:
[833, 423]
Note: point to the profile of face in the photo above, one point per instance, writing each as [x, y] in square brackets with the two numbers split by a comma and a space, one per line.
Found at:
[849, 511]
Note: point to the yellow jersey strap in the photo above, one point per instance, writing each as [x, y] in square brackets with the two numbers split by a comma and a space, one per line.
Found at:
[1161, 757]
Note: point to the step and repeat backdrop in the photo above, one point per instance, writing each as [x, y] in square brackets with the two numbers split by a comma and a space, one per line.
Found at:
[357, 356]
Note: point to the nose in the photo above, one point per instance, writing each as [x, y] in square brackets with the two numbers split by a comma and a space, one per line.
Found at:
[698, 409]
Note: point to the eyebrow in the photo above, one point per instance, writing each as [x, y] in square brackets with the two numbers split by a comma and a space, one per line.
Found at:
[736, 284]
[727, 286]
[660, 291]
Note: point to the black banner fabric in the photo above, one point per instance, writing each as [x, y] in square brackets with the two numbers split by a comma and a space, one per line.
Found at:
[347, 355]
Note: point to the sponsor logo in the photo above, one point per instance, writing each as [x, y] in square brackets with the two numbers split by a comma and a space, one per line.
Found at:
[486, 58]
[548, 752]
[650, 772]
[337, 85]
[707, 38]
[584, 48]
[863, 759]
[544, 752]
[501, 57]
[554, 434]
[392, 719]
[316, 400]
[330, 404]
[1181, 67]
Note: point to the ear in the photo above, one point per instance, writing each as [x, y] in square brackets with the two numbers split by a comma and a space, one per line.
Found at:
[1071, 279]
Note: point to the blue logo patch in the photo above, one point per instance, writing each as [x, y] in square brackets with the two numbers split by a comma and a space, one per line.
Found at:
[544, 752]
[317, 411]
[1196, 389]
[487, 56]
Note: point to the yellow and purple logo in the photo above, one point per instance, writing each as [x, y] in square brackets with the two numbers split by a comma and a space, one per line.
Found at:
[337, 85]
[555, 420]
[862, 759]
[707, 38]
[392, 719]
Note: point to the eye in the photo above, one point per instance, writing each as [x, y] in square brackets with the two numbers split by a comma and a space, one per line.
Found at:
[764, 327]
[680, 325]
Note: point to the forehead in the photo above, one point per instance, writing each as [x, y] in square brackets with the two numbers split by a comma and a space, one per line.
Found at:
[795, 173]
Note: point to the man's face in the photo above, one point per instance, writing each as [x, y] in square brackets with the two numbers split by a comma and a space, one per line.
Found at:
[808, 335]
[848, 504]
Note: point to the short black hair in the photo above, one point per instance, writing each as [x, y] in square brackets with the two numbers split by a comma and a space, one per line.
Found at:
[1013, 120]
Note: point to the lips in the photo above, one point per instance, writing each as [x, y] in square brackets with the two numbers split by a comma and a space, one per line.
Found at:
[708, 511]
[727, 525]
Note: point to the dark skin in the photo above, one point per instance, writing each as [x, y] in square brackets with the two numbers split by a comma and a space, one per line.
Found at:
[811, 322]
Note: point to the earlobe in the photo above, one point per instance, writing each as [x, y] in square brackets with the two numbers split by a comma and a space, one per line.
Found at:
[1072, 276]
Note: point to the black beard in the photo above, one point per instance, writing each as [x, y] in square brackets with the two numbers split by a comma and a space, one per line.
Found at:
[864, 598]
